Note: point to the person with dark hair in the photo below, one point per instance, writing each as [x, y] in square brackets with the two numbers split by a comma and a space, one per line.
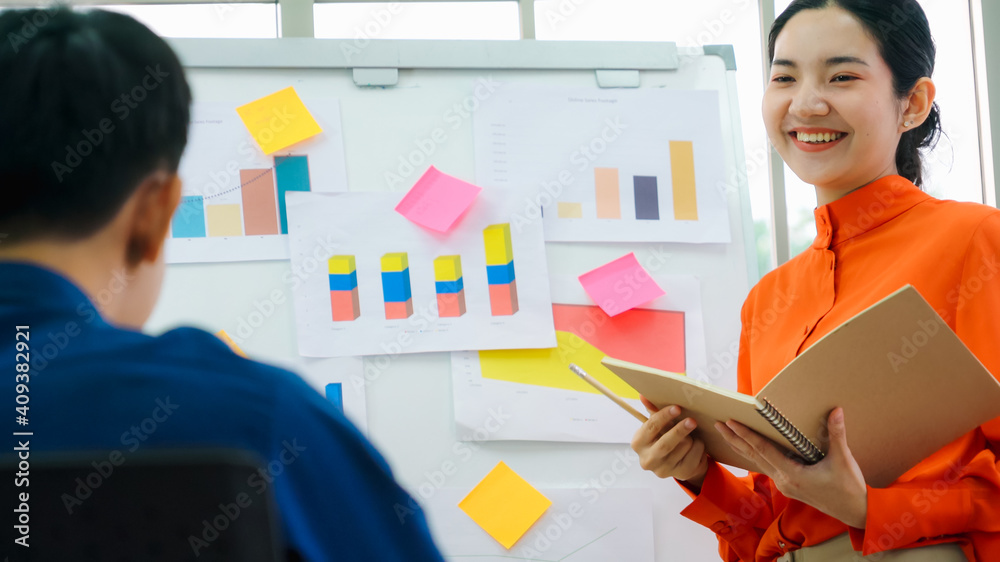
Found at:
[94, 110]
[849, 106]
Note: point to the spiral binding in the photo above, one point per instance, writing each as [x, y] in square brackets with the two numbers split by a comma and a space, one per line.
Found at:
[810, 452]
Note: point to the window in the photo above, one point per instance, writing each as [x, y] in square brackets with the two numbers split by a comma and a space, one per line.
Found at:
[232, 20]
[418, 20]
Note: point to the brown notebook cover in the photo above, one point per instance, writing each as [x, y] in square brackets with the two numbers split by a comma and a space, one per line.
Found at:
[907, 384]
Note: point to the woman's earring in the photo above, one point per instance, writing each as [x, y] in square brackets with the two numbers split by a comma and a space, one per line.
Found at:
[908, 123]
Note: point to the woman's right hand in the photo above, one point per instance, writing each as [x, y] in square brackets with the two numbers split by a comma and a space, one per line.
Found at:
[666, 448]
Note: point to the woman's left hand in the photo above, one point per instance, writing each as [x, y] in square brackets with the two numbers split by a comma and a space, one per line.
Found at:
[834, 485]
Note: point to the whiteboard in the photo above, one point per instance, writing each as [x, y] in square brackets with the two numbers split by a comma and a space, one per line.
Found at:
[429, 86]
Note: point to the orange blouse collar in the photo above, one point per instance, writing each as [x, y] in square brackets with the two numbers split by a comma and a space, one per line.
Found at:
[864, 209]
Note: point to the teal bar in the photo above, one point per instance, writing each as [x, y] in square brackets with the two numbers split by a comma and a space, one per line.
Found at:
[189, 219]
[291, 174]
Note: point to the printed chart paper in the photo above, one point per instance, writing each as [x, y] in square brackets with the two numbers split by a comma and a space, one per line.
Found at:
[579, 526]
[545, 401]
[233, 201]
[374, 283]
[437, 200]
[609, 165]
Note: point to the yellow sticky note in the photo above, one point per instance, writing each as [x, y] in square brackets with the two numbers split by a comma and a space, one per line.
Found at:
[504, 505]
[279, 120]
[222, 335]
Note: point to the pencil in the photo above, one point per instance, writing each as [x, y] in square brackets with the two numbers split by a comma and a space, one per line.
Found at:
[604, 390]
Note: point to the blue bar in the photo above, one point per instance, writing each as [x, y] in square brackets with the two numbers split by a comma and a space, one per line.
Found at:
[335, 394]
[189, 219]
[343, 281]
[396, 286]
[500, 274]
[449, 287]
[291, 174]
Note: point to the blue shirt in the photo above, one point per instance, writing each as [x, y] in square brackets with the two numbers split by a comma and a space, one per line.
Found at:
[94, 386]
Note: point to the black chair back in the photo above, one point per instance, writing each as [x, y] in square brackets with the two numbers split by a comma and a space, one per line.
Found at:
[171, 505]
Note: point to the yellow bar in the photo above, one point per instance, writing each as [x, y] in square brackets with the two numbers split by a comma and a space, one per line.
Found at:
[395, 262]
[682, 168]
[499, 250]
[448, 268]
[341, 265]
[570, 210]
[224, 220]
[609, 201]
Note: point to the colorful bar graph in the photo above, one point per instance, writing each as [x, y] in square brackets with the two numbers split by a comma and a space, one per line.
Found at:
[335, 394]
[292, 174]
[396, 286]
[607, 192]
[570, 210]
[682, 169]
[449, 286]
[260, 213]
[344, 302]
[189, 219]
[500, 269]
[224, 220]
[647, 200]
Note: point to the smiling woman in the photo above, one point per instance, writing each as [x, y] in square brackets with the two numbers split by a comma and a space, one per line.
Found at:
[849, 104]
[878, 88]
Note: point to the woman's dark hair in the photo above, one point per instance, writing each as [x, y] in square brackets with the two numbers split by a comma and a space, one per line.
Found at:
[903, 36]
[91, 103]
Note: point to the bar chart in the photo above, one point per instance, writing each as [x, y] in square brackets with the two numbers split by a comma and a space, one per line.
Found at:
[610, 166]
[396, 288]
[391, 286]
[449, 285]
[500, 269]
[645, 196]
[261, 211]
[345, 303]
[233, 200]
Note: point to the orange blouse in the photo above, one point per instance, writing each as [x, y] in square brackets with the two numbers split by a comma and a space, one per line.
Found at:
[870, 243]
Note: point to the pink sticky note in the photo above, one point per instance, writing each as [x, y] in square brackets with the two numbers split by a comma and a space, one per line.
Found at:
[620, 285]
[437, 200]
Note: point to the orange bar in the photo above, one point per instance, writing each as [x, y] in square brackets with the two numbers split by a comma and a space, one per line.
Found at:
[260, 209]
[608, 198]
[503, 299]
[451, 305]
[682, 169]
[345, 305]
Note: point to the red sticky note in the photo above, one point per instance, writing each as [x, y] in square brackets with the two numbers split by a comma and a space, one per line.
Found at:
[437, 200]
[620, 285]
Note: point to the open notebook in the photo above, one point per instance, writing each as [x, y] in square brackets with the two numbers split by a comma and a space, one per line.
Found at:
[907, 384]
